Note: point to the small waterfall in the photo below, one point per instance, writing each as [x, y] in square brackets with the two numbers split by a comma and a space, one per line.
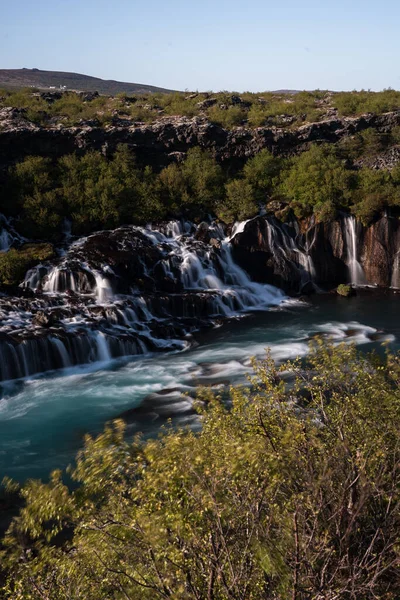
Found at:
[8, 235]
[395, 281]
[104, 291]
[356, 271]
[103, 353]
[289, 247]
[5, 240]
[66, 362]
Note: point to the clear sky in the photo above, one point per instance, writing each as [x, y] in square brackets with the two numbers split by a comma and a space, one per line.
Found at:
[236, 45]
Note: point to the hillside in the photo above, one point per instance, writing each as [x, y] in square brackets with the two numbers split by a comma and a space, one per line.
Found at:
[21, 78]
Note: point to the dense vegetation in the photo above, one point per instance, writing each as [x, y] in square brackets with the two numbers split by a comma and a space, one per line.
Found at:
[97, 192]
[291, 492]
[224, 108]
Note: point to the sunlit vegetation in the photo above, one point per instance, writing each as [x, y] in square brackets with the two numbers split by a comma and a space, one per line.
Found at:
[223, 108]
[291, 490]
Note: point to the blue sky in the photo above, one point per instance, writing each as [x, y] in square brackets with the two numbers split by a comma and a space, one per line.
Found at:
[237, 45]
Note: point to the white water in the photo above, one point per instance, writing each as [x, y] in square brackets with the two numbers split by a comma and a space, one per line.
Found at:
[356, 271]
[8, 235]
[289, 249]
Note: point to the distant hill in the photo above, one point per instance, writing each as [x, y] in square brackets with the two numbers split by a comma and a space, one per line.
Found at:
[19, 78]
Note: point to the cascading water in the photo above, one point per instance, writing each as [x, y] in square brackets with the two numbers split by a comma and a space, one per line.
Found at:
[395, 281]
[8, 235]
[356, 271]
[289, 248]
[152, 289]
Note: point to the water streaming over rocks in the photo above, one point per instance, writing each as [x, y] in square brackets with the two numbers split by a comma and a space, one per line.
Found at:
[356, 271]
[300, 257]
[135, 290]
[125, 292]
[8, 236]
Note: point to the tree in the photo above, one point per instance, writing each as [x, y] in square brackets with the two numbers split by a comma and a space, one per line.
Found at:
[262, 173]
[33, 194]
[239, 203]
[317, 178]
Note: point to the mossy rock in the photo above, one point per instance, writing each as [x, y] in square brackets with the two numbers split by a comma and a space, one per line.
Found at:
[15, 263]
[345, 290]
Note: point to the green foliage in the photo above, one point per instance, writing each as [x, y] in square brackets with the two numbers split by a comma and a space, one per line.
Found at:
[255, 110]
[228, 117]
[375, 191]
[344, 290]
[32, 196]
[239, 203]
[262, 172]
[356, 103]
[316, 180]
[15, 263]
[367, 143]
[72, 108]
[203, 178]
[275, 498]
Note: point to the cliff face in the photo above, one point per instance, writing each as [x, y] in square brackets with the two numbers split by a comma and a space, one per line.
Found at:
[169, 138]
[322, 255]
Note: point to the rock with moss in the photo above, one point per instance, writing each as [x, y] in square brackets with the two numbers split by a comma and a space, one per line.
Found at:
[345, 290]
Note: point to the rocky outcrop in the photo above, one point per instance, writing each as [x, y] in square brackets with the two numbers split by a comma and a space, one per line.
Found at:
[299, 257]
[386, 160]
[124, 292]
[161, 142]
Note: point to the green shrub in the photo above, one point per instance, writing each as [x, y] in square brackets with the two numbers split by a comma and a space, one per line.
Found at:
[345, 290]
[262, 172]
[317, 177]
[375, 191]
[229, 117]
[15, 263]
[239, 203]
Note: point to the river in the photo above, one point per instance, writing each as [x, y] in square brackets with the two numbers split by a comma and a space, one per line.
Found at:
[43, 419]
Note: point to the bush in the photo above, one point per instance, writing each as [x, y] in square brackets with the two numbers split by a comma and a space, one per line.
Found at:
[375, 191]
[291, 493]
[345, 290]
[229, 117]
[15, 263]
[33, 196]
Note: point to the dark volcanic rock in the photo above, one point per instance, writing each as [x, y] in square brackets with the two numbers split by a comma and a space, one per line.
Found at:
[272, 252]
[160, 142]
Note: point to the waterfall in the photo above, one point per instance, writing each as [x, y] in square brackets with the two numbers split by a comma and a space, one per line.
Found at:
[125, 292]
[356, 271]
[8, 235]
[66, 362]
[103, 353]
[289, 247]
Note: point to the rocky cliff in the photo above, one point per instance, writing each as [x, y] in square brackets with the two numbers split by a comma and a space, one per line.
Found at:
[169, 138]
[301, 256]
